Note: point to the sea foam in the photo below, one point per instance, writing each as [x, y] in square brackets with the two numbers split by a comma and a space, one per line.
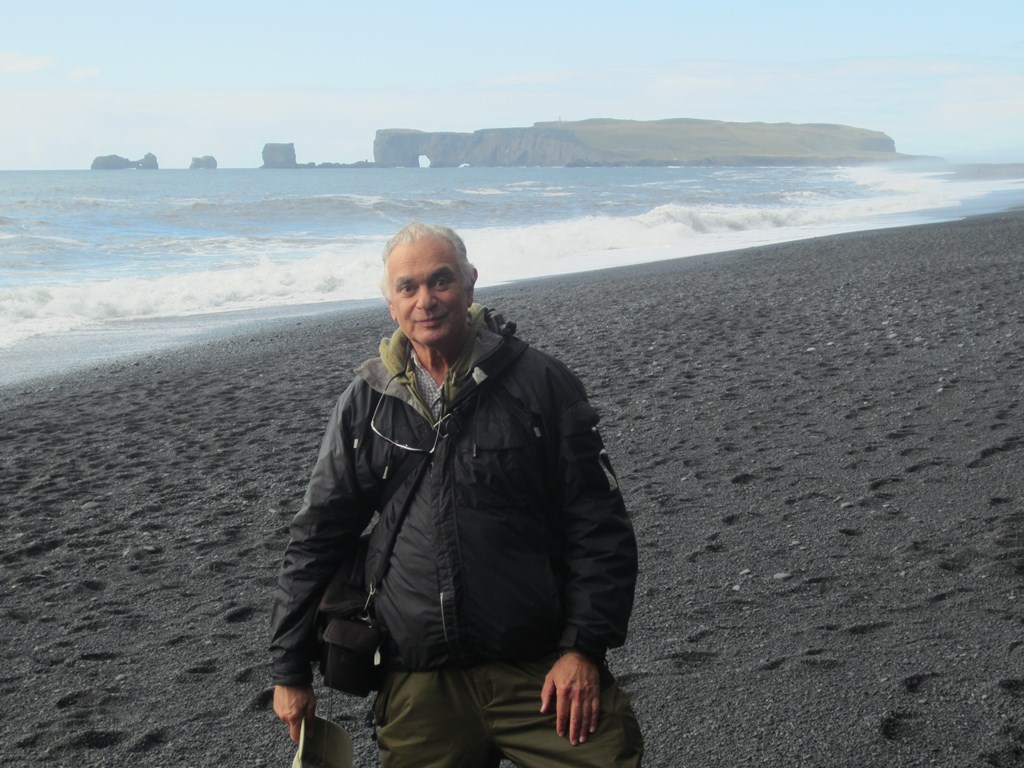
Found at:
[178, 270]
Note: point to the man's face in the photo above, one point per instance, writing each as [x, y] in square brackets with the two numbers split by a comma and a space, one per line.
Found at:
[427, 297]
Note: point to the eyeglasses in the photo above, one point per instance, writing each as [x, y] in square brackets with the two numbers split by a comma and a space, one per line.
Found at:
[436, 426]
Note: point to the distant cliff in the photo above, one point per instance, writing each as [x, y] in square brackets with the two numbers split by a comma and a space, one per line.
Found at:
[118, 163]
[602, 142]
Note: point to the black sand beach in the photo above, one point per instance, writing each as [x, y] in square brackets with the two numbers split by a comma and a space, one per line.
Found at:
[821, 445]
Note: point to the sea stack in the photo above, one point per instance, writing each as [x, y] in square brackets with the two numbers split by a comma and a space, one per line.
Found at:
[118, 163]
[279, 156]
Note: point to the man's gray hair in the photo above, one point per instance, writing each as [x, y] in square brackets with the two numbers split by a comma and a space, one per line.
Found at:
[416, 230]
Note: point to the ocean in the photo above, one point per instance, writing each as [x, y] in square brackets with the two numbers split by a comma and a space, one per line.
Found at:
[98, 265]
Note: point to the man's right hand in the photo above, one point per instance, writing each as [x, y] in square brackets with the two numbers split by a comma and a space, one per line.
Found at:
[293, 704]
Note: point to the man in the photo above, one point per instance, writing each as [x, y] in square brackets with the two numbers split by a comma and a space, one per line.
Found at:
[514, 567]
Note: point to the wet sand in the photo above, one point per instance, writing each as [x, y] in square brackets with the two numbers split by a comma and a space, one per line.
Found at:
[820, 442]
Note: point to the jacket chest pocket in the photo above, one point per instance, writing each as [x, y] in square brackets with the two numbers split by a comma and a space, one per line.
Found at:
[496, 463]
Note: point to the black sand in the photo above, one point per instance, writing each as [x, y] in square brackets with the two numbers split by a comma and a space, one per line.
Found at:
[821, 444]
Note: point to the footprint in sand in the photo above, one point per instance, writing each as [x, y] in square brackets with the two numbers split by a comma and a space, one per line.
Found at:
[93, 739]
[897, 724]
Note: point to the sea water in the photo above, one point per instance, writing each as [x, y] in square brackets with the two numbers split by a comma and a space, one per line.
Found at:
[98, 264]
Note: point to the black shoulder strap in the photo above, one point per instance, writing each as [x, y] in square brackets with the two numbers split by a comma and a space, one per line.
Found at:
[409, 462]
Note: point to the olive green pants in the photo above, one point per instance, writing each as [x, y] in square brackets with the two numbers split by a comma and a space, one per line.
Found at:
[472, 718]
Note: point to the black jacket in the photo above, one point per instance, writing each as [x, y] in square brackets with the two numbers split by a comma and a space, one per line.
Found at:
[516, 542]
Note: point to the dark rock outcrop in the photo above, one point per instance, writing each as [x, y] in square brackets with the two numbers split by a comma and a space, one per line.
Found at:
[279, 156]
[283, 156]
[205, 162]
[118, 163]
[110, 163]
[629, 142]
[357, 164]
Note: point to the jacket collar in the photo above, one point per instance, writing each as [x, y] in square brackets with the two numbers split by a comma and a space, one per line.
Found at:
[490, 346]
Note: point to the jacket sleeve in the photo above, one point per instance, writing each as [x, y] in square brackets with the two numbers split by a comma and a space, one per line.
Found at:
[599, 545]
[334, 511]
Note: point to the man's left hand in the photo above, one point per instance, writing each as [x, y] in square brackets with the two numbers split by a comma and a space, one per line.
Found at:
[574, 683]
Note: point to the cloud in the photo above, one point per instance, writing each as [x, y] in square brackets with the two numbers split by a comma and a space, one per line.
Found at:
[84, 74]
[12, 63]
[901, 67]
[542, 78]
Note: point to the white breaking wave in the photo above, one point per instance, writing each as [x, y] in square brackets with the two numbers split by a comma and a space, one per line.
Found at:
[673, 231]
[28, 311]
[263, 272]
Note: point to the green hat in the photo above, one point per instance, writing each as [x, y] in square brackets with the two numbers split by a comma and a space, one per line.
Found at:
[328, 745]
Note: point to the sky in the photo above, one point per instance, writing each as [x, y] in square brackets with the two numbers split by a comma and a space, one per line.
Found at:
[184, 79]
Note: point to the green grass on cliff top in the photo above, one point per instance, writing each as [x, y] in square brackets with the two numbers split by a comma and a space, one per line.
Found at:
[686, 139]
